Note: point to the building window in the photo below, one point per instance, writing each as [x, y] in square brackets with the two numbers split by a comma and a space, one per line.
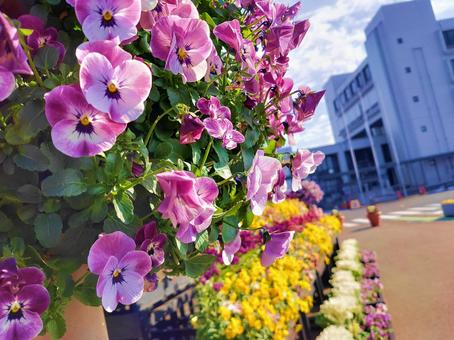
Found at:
[423, 128]
[451, 63]
[416, 99]
[408, 69]
[449, 38]
[400, 41]
[367, 75]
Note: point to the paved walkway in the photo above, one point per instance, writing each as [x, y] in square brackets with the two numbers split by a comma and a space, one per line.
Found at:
[415, 248]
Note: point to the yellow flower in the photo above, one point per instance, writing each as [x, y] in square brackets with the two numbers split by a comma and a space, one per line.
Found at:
[234, 328]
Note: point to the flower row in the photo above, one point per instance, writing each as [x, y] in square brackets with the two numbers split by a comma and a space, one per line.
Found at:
[247, 300]
[355, 309]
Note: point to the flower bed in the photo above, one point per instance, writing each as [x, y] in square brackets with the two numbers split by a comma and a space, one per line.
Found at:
[355, 309]
[248, 300]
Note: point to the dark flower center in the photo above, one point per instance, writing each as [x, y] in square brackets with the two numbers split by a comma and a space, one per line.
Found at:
[85, 125]
[150, 249]
[112, 91]
[15, 311]
[108, 19]
[117, 277]
[183, 57]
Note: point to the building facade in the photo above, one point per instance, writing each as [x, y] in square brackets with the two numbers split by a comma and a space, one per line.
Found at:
[393, 117]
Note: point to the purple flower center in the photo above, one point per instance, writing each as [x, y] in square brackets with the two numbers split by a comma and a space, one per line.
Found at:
[112, 91]
[117, 277]
[183, 56]
[108, 19]
[85, 125]
[15, 311]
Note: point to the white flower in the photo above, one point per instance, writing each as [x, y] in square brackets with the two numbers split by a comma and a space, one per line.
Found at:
[335, 333]
[339, 309]
[148, 5]
[351, 265]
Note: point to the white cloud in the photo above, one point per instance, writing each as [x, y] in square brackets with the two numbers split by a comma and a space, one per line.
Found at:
[333, 45]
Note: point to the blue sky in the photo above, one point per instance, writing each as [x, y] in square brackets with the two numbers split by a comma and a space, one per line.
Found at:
[335, 44]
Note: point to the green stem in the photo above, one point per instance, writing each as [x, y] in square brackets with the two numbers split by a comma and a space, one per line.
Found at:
[225, 181]
[38, 78]
[205, 156]
[150, 132]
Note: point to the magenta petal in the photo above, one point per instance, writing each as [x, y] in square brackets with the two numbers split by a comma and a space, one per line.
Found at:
[116, 244]
[132, 289]
[31, 22]
[109, 48]
[207, 189]
[230, 249]
[191, 129]
[7, 84]
[106, 276]
[31, 275]
[161, 38]
[137, 261]
[63, 102]
[26, 328]
[217, 128]
[186, 233]
[276, 247]
[34, 298]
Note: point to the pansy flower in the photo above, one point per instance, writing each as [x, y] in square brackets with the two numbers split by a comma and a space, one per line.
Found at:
[119, 90]
[184, 44]
[106, 19]
[120, 267]
[231, 248]
[261, 180]
[304, 164]
[276, 247]
[41, 36]
[20, 312]
[188, 202]
[78, 129]
[14, 278]
[191, 129]
[152, 242]
[12, 58]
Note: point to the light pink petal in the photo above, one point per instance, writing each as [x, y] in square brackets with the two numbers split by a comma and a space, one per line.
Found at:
[131, 290]
[109, 48]
[64, 102]
[207, 189]
[106, 275]
[109, 296]
[194, 73]
[186, 233]
[161, 38]
[7, 84]
[137, 261]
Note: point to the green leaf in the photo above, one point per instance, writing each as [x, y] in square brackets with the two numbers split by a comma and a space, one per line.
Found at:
[178, 96]
[65, 183]
[53, 2]
[27, 213]
[48, 229]
[151, 184]
[29, 194]
[197, 265]
[79, 219]
[5, 223]
[205, 16]
[251, 138]
[202, 241]
[223, 170]
[46, 58]
[98, 210]
[27, 124]
[181, 247]
[123, 207]
[214, 234]
[56, 327]
[17, 246]
[86, 292]
[229, 228]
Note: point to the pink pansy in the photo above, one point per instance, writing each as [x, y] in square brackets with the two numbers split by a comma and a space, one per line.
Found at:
[304, 163]
[41, 36]
[118, 90]
[214, 64]
[230, 249]
[261, 180]
[306, 103]
[212, 107]
[164, 8]
[78, 129]
[108, 48]
[280, 188]
[191, 129]
[188, 202]
[12, 58]
[71, 2]
[230, 33]
[276, 247]
[184, 44]
[120, 267]
[106, 19]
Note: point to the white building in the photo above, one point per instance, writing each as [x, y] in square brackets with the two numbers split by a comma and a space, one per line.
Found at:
[393, 117]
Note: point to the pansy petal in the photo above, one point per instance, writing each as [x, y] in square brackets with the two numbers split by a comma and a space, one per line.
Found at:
[131, 290]
[31, 275]
[186, 233]
[63, 102]
[109, 48]
[7, 84]
[25, 328]
[137, 261]
[116, 244]
[34, 298]
[109, 296]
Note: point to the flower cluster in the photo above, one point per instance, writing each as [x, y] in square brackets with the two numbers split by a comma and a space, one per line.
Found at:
[355, 304]
[249, 300]
[310, 193]
[115, 113]
[23, 298]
